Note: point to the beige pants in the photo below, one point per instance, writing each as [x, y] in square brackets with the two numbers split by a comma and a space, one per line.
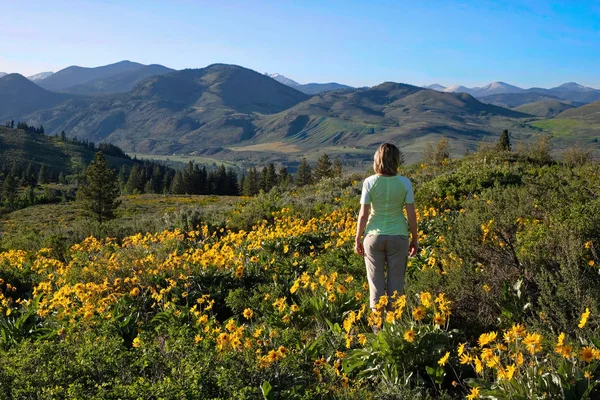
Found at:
[379, 251]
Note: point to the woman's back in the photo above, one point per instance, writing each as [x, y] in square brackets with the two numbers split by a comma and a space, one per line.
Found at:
[387, 196]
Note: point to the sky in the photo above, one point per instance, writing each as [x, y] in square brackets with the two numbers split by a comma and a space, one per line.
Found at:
[359, 43]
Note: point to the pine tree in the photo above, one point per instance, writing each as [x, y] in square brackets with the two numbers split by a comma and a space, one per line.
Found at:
[304, 174]
[10, 190]
[135, 182]
[251, 183]
[61, 178]
[42, 176]
[324, 168]
[337, 167]
[149, 186]
[178, 184]
[63, 136]
[99, 196]
[12, 123]
[284, 178]
[504, 142]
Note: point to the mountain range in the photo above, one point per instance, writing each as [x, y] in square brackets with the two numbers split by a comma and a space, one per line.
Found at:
[238, 114]
[309, 88]
[570, 91]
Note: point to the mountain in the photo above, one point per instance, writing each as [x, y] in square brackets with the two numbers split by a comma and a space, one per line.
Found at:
[572, 86]
[286, 81]
[3, 74]
[546, 109]
[458, 89]
[495, 88]
[309, 88]
[436, 86]
[74, 75]
[186, 110]
[359, 120]
[19, 96]
[119, 83]
[40, 76]
[512, 100]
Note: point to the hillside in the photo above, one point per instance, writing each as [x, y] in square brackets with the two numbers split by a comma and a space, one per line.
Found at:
[19, 96]
[512, 100]
[545, 109]
[119, 83]
[589, 112]
[20, 147]
[185, 110]
[363, 118]
[75, 75]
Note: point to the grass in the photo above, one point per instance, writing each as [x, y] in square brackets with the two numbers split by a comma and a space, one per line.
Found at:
[558, 127]
[34, 226]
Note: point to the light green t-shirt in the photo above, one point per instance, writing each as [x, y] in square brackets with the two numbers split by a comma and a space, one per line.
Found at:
[387, 196]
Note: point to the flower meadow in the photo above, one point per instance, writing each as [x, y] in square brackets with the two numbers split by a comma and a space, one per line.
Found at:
[501, 302]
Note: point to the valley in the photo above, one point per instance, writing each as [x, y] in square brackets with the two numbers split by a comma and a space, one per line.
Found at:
[228, 113]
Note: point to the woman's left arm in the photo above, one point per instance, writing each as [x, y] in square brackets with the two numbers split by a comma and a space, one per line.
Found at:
[363, 217]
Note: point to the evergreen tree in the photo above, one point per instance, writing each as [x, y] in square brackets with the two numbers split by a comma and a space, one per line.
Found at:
[337, 167]
[122, 178]
[232, 185]
[42, 176]
[504, 142]
[99, 196]
[324, 168]
[63, 136]
[178, 184]
[30, 195]
[284, 178]
[304, 174]
[251, 183]
[149, 186]
[61, 178]
[10, 190]
[135, 182]
[28, 176]
[270, 177]
[12, 123]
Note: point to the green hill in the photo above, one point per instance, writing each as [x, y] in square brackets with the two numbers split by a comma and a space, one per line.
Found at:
[21, 148]
[546, 109]
[357, 121]
[589, 112]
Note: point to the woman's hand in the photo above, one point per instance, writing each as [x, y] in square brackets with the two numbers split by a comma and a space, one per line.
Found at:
[413, 248]
[358, 247]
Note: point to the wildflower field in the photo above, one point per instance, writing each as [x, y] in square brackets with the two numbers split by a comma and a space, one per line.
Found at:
[271, 302]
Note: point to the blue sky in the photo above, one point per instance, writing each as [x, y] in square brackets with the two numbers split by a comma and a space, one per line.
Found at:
[527, 43]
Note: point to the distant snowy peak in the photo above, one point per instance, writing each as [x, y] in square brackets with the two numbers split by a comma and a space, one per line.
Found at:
[496, 88]
[2, 74]
[282, 79]
[574, 87]
[40, 76]
[436, 86]
[457, 88]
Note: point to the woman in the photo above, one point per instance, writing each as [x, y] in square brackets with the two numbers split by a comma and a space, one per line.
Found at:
[381, 220]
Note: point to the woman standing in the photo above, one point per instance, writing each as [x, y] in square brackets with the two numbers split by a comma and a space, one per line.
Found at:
[381, 220]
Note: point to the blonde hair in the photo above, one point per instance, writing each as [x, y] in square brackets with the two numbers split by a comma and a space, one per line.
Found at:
[386, 160]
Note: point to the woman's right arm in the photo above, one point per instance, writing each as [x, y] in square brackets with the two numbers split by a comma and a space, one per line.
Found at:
[414, 230]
